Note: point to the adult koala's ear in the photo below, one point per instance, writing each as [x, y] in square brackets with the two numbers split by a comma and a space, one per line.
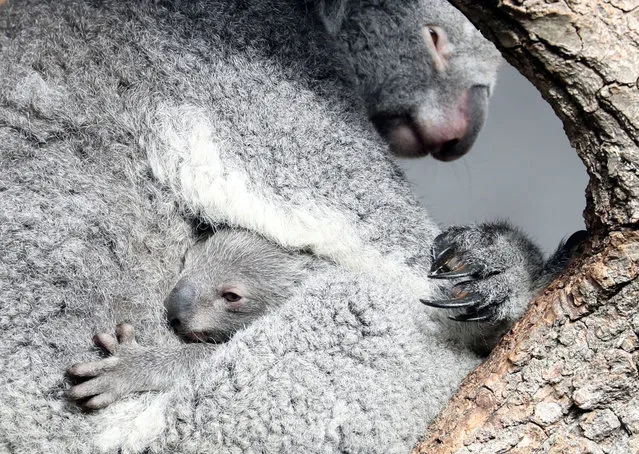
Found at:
[332, 14]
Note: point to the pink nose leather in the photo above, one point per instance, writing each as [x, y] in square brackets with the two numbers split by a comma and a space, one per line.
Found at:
[446, 137]
[415, 136]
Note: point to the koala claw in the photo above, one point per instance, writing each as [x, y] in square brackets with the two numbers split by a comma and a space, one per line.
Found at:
[473, 317]
[447, 264]
[465, 301]
[476, 311]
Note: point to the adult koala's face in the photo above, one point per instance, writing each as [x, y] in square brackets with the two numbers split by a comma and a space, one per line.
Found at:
[423, 70]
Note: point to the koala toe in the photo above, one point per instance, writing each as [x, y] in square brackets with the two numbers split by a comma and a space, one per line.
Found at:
[448, 263]
[125, 333]
[480, 300]
[487, 269]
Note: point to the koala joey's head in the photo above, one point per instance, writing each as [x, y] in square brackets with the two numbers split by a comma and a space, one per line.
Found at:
[423, 70]
[228, 281]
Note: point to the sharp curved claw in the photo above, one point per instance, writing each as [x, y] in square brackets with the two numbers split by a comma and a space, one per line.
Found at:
[455, 303]
[471, 317]
[443, 255]
[463, 271]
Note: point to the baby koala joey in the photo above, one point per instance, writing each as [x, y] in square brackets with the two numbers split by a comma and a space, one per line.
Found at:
[228, 281]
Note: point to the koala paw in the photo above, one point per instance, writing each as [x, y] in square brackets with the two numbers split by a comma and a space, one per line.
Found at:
[108, 380]
[492, 269]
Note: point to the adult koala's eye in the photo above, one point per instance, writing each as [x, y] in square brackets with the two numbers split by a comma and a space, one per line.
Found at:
[231, 297]
[433, 35]
[437, 44]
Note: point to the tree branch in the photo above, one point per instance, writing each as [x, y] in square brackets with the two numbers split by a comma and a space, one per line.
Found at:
[565, 379]
[584, 59]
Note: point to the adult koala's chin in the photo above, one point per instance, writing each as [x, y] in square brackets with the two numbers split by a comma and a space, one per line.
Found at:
[430, 95]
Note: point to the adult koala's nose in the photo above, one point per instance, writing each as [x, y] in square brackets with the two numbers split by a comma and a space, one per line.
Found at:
[446, 135]
[179, 303]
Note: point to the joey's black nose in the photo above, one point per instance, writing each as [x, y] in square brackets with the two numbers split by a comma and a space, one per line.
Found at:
[179, 302]
[175, 323]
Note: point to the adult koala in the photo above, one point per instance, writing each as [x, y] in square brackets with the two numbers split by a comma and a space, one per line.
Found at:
[120, 118]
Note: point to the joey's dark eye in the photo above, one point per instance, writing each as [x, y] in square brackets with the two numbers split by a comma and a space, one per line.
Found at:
[433, 35]
[231, 297]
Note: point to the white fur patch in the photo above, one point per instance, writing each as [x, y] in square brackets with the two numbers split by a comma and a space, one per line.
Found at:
[185, 156]
[132, 425]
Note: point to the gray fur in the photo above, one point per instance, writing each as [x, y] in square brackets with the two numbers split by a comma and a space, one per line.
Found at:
[117, 120]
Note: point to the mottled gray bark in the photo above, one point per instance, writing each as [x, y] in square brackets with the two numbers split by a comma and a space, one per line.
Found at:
[565, 379]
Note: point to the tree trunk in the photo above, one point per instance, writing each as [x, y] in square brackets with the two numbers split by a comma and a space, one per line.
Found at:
[565, 379]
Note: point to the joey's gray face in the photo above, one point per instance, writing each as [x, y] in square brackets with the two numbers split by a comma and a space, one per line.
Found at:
[423, 70]
[227, 282]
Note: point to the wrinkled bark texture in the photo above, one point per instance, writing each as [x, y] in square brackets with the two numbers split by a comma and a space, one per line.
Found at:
[565, 379]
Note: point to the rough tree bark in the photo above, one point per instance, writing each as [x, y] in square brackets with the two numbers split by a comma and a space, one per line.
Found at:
[565, 379]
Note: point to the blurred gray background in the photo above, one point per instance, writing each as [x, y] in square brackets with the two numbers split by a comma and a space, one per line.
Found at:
[522, 168]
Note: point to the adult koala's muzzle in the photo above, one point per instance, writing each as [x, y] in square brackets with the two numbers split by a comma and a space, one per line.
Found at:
[446, 137]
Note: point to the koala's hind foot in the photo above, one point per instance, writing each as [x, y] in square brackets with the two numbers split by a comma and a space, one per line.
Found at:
[491, 272]
[126, 370]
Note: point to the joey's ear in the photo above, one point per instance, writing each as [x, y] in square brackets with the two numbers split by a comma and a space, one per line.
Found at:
[332, 14]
